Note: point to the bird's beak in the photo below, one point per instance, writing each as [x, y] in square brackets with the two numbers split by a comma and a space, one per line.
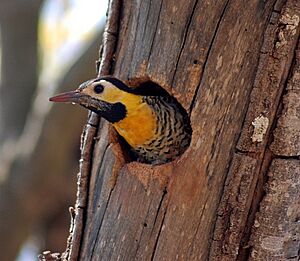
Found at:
[72, 96]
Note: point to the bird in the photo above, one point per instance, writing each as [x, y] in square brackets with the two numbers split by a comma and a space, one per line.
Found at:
[151, 121]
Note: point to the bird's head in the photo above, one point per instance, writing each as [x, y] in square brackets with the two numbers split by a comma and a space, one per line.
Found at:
[107, 96]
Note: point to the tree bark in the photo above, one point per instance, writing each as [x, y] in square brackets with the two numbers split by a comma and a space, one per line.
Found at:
[233, 66]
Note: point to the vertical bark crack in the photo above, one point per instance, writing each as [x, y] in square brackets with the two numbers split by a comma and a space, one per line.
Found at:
[187, 27]
[161, 225]
[207, 56]
[157, 239]
[266, 161]
[156, 26]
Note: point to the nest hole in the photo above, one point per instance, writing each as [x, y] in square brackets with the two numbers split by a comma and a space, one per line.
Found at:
[146, 87]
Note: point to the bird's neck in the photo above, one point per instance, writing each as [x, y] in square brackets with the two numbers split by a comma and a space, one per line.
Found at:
[139, 125]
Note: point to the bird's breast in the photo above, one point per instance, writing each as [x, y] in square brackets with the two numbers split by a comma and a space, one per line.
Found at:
[138, 126]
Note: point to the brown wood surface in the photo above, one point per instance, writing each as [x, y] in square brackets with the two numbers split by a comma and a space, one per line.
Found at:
[206, 54]
[276, 230]
[245, 187]
[228, 63]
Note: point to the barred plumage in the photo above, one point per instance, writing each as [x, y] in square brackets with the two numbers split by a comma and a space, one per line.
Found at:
[172, 134]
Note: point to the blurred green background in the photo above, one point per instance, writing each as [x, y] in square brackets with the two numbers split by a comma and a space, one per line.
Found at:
[46, 47]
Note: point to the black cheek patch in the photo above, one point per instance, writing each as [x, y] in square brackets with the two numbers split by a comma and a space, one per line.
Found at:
[113, 112]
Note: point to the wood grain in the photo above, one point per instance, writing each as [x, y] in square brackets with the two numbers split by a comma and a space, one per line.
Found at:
[228, 62]
[205, 54]
[277, 60]
[233, 66]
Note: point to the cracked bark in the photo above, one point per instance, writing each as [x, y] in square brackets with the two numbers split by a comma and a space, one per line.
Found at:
[253, 224]
[229, 62]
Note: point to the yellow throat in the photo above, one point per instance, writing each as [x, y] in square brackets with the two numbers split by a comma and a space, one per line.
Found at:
[139, 125]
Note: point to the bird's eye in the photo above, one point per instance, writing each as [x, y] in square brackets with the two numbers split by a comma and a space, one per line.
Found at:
[98, 88]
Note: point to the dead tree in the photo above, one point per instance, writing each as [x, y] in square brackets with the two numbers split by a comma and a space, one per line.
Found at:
[234, 194]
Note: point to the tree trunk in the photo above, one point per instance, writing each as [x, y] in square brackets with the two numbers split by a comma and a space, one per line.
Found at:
[233, 66]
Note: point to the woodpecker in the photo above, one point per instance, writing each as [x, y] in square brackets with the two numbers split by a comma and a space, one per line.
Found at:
[151, 121]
